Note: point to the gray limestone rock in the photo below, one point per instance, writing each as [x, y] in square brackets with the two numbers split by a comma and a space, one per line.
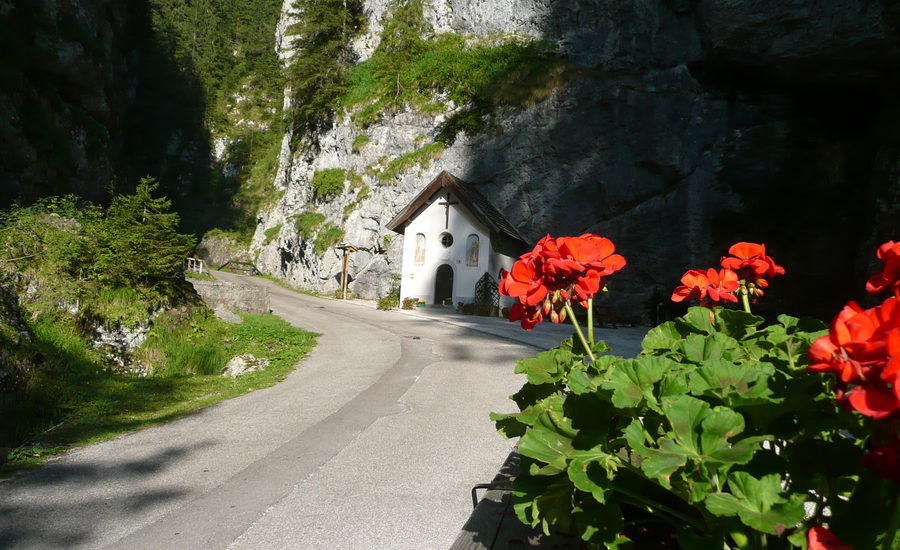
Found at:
[242, 364]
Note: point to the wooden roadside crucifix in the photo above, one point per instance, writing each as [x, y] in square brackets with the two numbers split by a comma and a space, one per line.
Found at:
[446, 204]
[345, 278]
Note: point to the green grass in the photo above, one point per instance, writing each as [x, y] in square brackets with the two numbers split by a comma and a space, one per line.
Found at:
[119, 305]
[85, 403]
[201, 276]
[420, 157]
[271, 233]
[478, 75]
[307, 223]
[359, 142]
[327, 237]
[328, 183]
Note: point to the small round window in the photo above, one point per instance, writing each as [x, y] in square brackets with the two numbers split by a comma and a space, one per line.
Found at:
[446, 240]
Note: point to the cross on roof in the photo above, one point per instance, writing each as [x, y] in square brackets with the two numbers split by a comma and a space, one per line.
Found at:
[446, 204]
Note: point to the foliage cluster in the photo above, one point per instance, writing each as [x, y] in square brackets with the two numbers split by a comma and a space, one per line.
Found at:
[359, 142]
[328, 236]
[413, 67]
[387, 302]
[307, 223]
[271, 233]
[317, 74]
[92, 404]
[103, 262]
[410, 303]
[420, 157]
[716, 436]
[329, 183]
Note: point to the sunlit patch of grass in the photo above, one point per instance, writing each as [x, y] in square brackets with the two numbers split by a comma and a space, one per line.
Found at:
[85, 403]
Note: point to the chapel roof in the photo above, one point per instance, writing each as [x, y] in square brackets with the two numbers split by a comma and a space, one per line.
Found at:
[480, 207]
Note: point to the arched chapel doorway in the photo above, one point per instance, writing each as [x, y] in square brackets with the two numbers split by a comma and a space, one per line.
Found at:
[443, 283]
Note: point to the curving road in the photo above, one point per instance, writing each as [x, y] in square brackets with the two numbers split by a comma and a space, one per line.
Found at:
[372, 443]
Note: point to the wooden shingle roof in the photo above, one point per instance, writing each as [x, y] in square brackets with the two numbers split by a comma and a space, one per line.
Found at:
[480, 207]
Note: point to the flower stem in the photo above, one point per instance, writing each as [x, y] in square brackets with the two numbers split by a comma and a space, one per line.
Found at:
[657, 506]
[745, 299]
[575, 324]
[591, 321]
[892, 526]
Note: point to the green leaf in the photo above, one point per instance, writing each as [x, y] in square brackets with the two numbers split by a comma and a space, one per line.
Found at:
[699, 348]
[736, 323]
[509, 425]
[550, 439]
[734, 383]
[579, 381]
[546, 367]
[531, 394]
[758, 503]
[598, 523]
[545, 501]
[632, 380]
[697, 320]
[662, 339]
[591, 471]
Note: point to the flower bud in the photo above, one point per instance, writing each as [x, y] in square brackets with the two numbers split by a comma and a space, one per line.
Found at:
[547, 304]
[562, 316]
[554, 316]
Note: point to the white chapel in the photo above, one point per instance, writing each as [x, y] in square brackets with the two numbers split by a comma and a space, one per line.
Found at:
[453, 236]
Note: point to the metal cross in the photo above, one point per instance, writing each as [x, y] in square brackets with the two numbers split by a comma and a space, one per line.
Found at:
[446, 204]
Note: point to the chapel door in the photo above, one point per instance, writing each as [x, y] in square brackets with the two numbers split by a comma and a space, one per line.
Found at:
[443, 283]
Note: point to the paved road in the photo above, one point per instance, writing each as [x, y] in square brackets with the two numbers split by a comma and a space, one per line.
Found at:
[372, 443]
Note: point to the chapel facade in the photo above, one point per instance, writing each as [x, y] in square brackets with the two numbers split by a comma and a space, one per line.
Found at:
[453, 236]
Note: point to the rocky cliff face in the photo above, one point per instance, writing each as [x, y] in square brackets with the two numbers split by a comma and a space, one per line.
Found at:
[694, 124]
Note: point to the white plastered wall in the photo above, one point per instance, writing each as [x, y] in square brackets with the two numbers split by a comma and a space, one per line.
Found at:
[418, 280]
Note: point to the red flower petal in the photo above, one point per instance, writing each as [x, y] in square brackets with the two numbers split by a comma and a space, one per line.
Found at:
[819, 538]
[872, 402]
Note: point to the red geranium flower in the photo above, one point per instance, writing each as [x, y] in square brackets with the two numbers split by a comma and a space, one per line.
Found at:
[819, 538]
[707, 286]
[557, 270]
[885, 461]
[722, 285]
[889, 278]
[863, 348]
[695, 285]
[750, 262]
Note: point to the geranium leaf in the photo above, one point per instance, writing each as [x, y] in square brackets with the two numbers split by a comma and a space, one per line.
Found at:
[579, 381]
[758, 502]
[736, 323]
[632, 380]
[734, 383]
[696, 320]
[509, 425]
[546, 367]
[550, 439]
[590, 471]
[598, 523]
[698, 348]
[531, 394]
[663, 338]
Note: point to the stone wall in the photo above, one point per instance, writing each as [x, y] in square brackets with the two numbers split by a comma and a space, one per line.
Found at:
[236, 298]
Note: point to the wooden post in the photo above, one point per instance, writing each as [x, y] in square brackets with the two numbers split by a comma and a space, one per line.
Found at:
[345, 263]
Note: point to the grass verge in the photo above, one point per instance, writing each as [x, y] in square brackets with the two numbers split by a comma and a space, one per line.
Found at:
[71, 401]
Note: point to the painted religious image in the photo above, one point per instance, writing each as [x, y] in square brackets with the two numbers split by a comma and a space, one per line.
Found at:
[472, 251]
[420, 249]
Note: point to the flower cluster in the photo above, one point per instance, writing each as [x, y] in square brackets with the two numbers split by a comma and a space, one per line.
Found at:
[556, 272]
[862, 348]
[889, 278]
[746, 270]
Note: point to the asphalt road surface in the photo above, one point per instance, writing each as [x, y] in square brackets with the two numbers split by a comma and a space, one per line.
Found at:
[373, 442]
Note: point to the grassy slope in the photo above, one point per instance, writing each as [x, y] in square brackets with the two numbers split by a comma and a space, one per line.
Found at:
[84, 403]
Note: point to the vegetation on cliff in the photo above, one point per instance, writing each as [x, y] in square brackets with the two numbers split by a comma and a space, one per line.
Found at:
[79, 268]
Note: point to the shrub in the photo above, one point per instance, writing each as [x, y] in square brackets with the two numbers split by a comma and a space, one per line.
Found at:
[328, 183]
[359, 142]
[327, 237]
[410, 303]
[271, 233]
[420, 157]
[387, 302]
[307, 222]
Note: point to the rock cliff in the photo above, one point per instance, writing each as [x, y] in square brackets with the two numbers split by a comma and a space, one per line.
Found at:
[691, 124]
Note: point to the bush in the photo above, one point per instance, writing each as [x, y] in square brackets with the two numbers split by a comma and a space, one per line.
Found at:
[410, 303]
[327, 237]
[387, 302]
[307, 223]
[329, 183]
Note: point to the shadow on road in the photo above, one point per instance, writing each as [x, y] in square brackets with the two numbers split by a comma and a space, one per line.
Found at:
[72, 488]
